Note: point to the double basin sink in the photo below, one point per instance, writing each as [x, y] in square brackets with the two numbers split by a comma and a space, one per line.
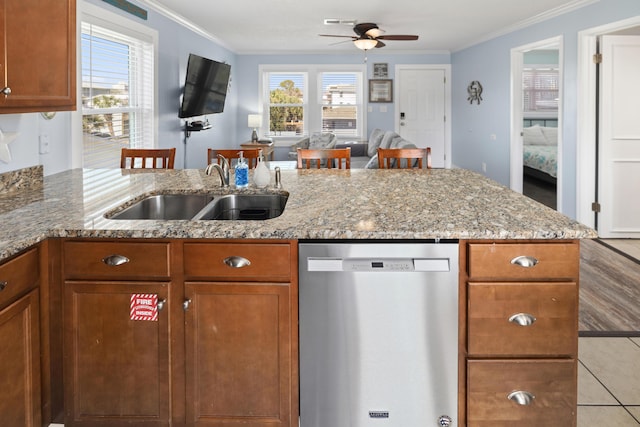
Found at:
[204, 207]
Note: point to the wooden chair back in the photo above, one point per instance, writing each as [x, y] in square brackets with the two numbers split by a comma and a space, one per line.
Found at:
[250, 154]
[389, 158]
[306, 157]
[147, 158]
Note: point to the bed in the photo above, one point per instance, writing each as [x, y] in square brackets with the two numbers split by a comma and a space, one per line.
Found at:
[540, 151]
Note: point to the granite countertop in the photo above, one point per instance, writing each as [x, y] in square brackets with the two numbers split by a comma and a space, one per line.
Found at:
[322, 204]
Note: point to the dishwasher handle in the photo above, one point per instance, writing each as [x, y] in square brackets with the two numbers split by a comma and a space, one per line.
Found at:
[396, 265]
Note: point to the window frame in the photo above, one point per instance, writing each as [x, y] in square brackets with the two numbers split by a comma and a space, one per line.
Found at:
[120, 24]
[313, 103]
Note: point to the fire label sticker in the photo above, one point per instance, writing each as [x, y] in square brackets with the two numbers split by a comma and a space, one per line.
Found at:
[144, 307]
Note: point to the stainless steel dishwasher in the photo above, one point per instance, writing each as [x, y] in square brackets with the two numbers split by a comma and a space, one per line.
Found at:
[378, 334]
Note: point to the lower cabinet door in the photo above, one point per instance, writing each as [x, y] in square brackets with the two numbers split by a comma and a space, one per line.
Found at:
[116, 370]
[523, 393]
[238, 354]
[20, 362]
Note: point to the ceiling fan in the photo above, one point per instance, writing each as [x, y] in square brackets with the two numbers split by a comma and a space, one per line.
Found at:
[368, 36]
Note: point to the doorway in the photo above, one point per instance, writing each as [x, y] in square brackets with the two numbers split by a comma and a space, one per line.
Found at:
[536, 121]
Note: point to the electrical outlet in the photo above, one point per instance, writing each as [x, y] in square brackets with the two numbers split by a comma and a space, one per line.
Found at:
[484, 167]
[44, 144]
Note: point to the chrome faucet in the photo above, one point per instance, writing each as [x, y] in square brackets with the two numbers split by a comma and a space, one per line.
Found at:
[223, 171]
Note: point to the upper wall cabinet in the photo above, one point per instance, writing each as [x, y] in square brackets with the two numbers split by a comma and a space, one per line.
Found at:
[38, 55]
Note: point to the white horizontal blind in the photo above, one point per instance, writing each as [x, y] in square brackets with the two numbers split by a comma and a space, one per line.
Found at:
[341, 103]
[287, 93]
[541, 89]
[117, 94]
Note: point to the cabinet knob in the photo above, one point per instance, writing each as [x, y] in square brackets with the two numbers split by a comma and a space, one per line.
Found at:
[115, 260]
[161, 304]
[522, 319]
[3, 285]
[6, 91]
[185, 304]
[520, 397]
[237, 262]
[524, 261]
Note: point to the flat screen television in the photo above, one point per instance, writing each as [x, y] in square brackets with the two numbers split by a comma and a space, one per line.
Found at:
[205, 87]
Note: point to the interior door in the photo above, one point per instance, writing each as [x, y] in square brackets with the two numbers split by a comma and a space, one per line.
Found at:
[619, 138]
[422, 110]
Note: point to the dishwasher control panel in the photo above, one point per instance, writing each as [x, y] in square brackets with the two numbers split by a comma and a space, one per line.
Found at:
[396, 264]
[378, 264]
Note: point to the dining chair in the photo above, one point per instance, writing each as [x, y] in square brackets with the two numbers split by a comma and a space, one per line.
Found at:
[147, 158]
[250, 154]
[306, 157]
[390, 158]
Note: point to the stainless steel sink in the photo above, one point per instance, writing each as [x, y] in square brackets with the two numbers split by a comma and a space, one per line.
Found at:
[205, 207]
[244, 207]
[166, 206]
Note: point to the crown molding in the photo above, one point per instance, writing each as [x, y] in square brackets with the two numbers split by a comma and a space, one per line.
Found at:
[551, 13]
[176, 17]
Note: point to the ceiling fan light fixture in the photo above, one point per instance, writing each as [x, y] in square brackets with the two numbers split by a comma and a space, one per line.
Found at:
[374, 32]
[365, 43]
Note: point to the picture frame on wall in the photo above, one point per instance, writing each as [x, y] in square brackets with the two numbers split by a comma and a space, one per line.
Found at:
[381, 90]
[380, 70]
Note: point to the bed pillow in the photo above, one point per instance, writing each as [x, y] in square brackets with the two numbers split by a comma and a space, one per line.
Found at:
[533, 136]
[550, 135]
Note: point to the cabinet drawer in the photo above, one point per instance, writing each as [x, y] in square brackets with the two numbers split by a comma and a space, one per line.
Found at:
[19, 276]
[131, 260]
[266, 262]
[551, 383]
[499, 261]
[543, 319]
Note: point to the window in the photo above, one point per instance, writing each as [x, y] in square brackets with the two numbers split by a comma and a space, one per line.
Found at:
[117, 92]
[541, 89]
[293, 109]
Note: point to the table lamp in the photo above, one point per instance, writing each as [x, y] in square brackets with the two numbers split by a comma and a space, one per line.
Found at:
[254, 121]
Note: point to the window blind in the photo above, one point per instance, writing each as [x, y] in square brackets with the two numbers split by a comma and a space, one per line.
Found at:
[541, 89]
[117, 94]
[341, 102]
[287, 107]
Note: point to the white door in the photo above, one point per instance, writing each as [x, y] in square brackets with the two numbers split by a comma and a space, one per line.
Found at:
[619, 138]
[422, 110]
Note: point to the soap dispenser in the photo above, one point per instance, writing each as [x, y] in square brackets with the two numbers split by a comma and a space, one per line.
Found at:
[261, 176]
[242, 172]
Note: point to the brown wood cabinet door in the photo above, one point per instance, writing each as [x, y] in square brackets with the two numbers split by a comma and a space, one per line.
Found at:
[238, 354]
[20, 356]
[38, 61]
[116, 369]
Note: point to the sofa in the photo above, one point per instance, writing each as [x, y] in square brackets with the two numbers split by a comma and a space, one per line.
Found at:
[367, 157]
[316, 141]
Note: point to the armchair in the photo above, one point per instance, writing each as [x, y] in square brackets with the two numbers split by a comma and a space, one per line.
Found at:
[317, 141]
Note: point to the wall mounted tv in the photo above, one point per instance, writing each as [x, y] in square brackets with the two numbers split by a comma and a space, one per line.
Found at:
[205, 87]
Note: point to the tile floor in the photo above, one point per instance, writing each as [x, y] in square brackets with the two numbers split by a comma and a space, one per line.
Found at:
[608, 382]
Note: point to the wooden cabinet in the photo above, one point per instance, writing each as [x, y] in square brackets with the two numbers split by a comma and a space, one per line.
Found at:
[521, 333]
[38, 55]
[240, 331]
[20, 404]
[116, 366]
[223, 351]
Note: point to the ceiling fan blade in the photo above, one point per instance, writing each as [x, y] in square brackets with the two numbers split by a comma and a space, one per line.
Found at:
[380, 44]
[335, 35]
[340, 42]
[398, 37]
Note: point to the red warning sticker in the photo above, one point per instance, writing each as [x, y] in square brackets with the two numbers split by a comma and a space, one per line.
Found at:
[144, 307]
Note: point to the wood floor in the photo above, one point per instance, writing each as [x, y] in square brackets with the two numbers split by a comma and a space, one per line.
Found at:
[609, 292]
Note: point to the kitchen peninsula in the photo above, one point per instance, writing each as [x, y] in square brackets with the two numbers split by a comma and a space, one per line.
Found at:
[61, 222]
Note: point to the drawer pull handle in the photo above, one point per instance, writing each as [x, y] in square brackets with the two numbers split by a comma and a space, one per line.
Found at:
[115, 260]
[524, 261]
[523, 319]
[3, 285]
[523, 398]
[237, 262]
